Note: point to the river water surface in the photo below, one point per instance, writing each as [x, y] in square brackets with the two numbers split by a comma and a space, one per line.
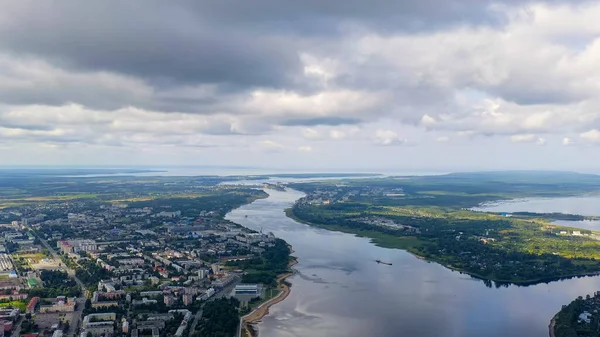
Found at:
[340, 291]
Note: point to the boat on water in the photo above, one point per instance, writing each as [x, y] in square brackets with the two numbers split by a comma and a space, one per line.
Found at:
[381, 262]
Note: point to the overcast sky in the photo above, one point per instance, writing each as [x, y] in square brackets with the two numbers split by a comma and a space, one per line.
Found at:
[405, 85]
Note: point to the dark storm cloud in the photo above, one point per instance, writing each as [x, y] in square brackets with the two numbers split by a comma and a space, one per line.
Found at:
[245, 43]
[160, 41]
[324, 17]
[25, 126]
[91, 96]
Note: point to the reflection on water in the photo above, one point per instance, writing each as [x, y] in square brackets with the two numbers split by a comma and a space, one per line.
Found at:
[340, 291]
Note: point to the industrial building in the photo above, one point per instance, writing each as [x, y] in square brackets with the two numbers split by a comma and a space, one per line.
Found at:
[246, 292]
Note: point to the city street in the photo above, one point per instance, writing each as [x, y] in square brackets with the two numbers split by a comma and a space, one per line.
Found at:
[76, 321]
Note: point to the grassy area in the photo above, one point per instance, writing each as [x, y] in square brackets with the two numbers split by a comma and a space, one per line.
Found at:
[148, 198]
[9, 204]
[70, 196]
[409, 243]
[34, 257]
[16, 202]
[14, 304]
[269, 294]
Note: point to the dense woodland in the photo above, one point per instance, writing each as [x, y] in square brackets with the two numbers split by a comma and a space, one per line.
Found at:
[265, 269]
[56, 283]
[90, 273]
[568, 324]
[220, 318]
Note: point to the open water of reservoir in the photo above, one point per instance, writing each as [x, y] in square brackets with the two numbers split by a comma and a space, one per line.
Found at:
[340, 291]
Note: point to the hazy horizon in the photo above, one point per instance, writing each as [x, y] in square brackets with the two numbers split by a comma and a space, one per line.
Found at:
[191, 170]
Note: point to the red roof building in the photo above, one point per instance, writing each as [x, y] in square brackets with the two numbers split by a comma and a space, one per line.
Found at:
[32, 304]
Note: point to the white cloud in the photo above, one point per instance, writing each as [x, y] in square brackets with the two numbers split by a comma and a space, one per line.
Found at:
[270, 144]
[591, 136]
[305, 148]
[541, 141]
[328, 133]
[327, 103]
[127, 126]
[323, 69]
[310, 133]
[523, 138]
[337, 134]
[443, 139]
[427, 120]
[529, 76]
[388, 137]
[466, 133]
[567, 141]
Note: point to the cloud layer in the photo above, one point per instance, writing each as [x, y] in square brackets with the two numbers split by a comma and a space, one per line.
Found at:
[202, 82]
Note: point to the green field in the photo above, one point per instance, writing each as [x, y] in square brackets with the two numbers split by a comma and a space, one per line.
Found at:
[14, 304]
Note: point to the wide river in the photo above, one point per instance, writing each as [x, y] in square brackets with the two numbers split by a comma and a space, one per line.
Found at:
[339, 290]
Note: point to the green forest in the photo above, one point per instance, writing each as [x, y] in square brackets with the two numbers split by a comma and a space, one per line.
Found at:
[567, 322]
[56, 283]
[220, 318]
[265, 269]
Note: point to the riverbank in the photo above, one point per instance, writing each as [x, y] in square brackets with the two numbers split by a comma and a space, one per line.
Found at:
[411, 243]
[552, 325]
[262, 310]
